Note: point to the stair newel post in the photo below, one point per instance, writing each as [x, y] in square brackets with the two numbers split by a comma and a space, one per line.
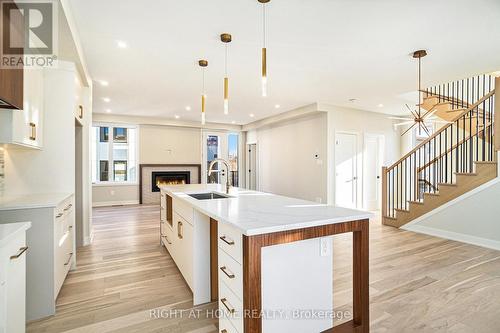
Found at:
[496, 130]
[384, 191]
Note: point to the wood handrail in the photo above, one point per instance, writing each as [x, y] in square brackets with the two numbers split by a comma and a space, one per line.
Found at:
[441, 130]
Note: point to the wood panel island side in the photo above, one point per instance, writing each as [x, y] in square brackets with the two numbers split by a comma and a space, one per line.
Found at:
[266, 259]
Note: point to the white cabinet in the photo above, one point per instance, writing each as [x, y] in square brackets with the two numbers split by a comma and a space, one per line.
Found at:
[13, 253]
[185, 233]
[64, 223]
[24, 128]
[51, 248]
[230, 262]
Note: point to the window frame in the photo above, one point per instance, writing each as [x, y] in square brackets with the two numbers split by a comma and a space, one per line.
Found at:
[111, 181]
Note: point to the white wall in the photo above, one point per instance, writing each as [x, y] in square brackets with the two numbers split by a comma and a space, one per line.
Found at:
[157, 145]
[472, 218]
[360, 122]
[286, 162]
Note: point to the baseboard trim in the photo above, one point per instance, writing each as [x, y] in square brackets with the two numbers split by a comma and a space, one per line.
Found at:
[114, 203]
[88, 240]
[474, 240]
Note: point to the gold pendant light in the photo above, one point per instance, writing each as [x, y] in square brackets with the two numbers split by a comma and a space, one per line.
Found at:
[264, 49]
[203, 64]
[226, 39]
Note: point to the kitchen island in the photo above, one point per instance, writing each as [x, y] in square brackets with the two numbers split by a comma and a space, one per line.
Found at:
[267, 259]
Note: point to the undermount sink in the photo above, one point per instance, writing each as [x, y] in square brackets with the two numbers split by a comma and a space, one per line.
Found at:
[208, 196]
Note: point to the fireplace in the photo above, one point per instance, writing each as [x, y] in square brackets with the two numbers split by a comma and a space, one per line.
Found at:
[161, 178]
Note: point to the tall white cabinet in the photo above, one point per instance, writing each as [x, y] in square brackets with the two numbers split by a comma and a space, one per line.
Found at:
[24, 128]
[13, 252]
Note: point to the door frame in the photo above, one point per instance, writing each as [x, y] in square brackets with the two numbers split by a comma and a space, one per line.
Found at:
[381, 153]
[357, 163]
[247, 165]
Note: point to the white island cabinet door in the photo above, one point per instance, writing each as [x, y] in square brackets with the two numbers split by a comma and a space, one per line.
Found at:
[15, 285]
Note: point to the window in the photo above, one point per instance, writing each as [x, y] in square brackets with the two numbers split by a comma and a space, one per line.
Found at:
[225, 146]
[232, 140]
[114, 158]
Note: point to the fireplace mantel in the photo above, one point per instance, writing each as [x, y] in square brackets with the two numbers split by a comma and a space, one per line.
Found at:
[170, 167]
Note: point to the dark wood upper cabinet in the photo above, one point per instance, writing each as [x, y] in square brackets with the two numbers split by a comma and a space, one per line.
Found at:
[11, 80]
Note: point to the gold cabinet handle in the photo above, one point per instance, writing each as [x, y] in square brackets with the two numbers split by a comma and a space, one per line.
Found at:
[80, 108]
[225, 240]
[224, 302]
[70, 227]
[59, 215]
[68, 207]
[20, 253]
[225, 271]
[166, 238]
[223, 331]
[69, 259]
[33, 131]
[179, 229]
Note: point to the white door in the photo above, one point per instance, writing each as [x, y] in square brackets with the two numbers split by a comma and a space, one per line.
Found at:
[252, 166]
[345, 170]
[221, 145]
[372, 168]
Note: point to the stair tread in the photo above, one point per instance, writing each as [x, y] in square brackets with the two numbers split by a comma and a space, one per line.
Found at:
[390, 218]
[401, 210]
[446, 184]
[465, 174]
[485, 162]
[416, 202]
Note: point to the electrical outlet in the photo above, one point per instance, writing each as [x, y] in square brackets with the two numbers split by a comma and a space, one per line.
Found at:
[325, 247]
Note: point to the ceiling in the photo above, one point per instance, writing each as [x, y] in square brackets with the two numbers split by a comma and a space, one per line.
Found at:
[325, 51]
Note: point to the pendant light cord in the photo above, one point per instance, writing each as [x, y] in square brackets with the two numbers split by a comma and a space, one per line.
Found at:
[225, 62]
[264, 22]
[419, 85]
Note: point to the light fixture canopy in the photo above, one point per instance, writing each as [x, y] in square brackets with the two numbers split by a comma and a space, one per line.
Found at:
[226, 39]
[203, 64]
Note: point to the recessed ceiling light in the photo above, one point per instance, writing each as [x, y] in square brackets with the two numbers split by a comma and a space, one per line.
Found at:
[106, 99]
[121, 44]
[233, 122]
[188, 108]
[277, 106]
[177, 116]
[108, 110]
[252, 115]
[380, 105]
[104, 83]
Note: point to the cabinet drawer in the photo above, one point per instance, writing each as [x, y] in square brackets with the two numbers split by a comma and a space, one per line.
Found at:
[231, 273]
[225, 326]
[230, 240]
[167, 237]
[63, 258]
[184, 210]
[231, 307]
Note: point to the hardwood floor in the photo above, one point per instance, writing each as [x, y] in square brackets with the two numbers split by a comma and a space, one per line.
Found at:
[417, 283]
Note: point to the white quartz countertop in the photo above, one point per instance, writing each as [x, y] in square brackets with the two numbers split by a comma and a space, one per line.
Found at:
[11, 230]
[256, 213]
[32, 201]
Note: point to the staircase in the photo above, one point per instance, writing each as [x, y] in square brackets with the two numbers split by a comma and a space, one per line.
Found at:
[457, 158]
